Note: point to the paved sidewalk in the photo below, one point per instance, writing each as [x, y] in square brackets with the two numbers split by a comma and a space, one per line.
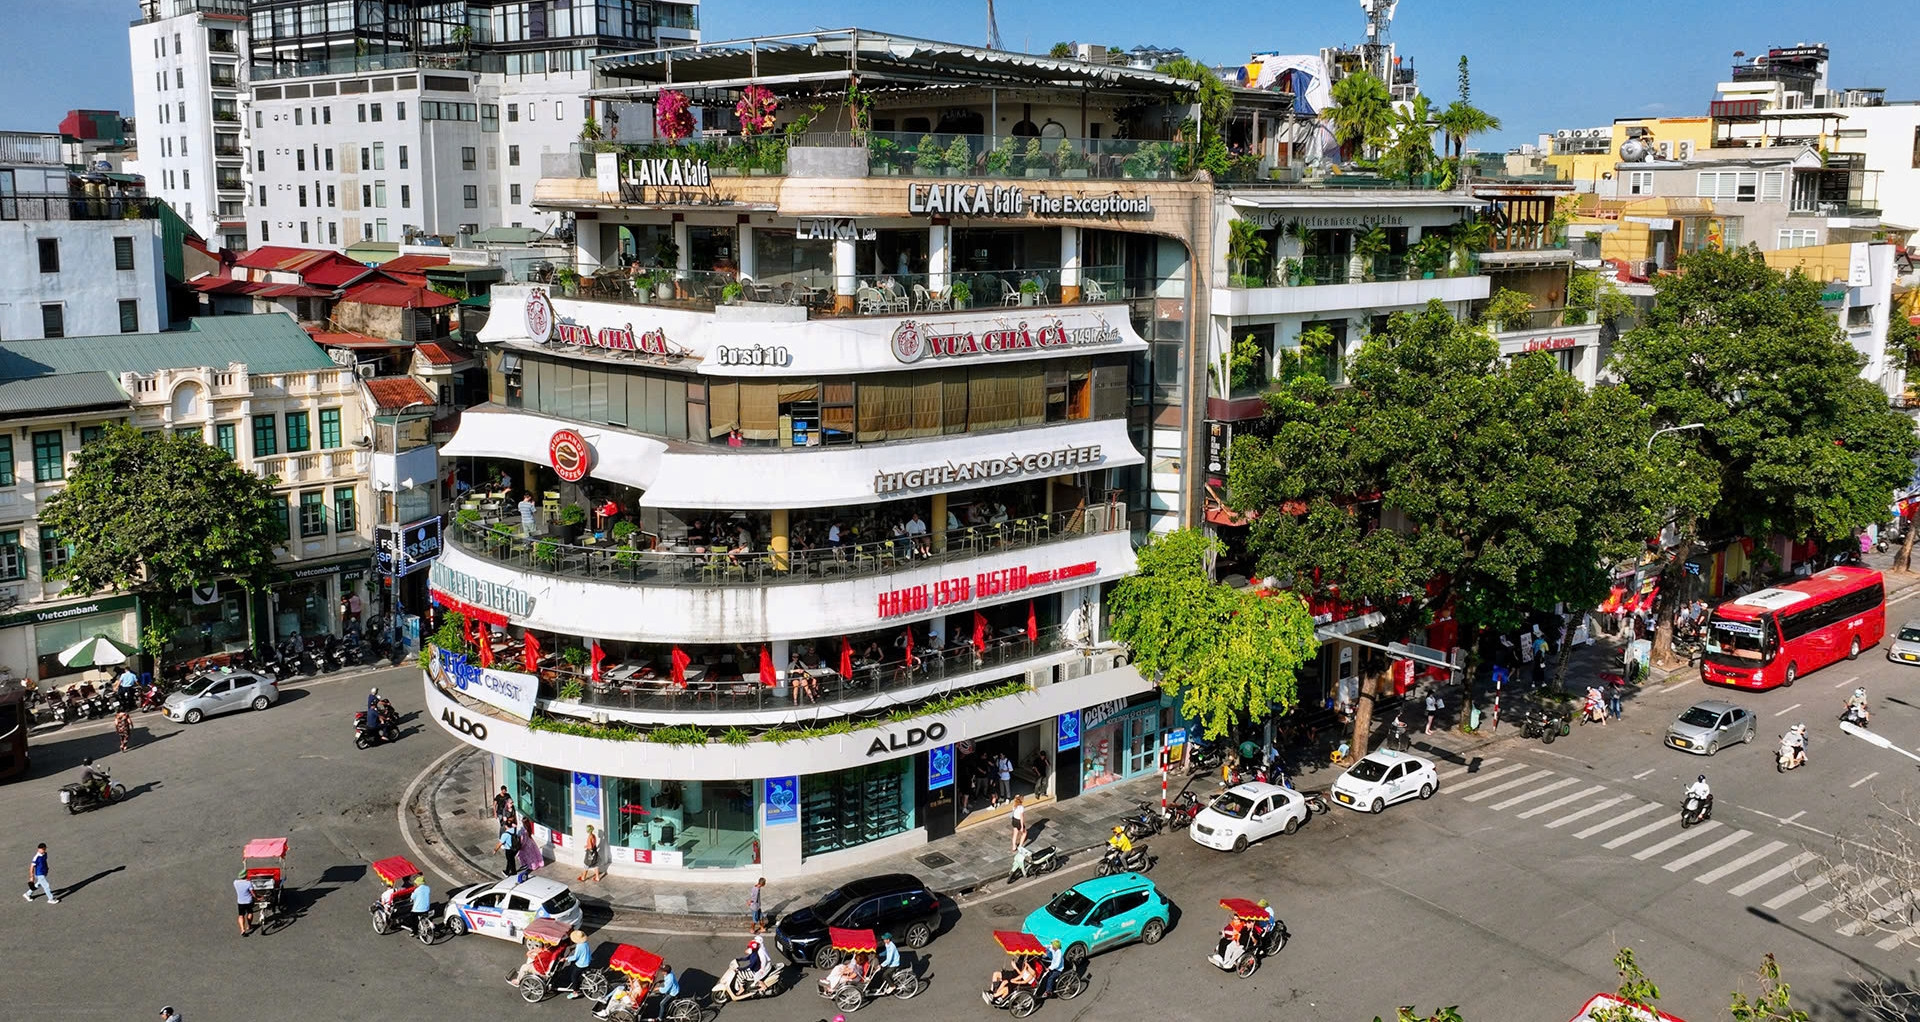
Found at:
[451, 815]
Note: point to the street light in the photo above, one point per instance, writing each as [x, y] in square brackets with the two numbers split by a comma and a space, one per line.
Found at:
[1672, 429]
[1873, 739]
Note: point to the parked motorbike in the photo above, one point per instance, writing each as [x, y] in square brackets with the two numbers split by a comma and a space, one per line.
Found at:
[1398, 736]
[1206, 756]
[299, 656]
[1136, 861]
[1316, 801]
[55, 710]
[78, 797]
[1181, 811]
[1145, 822]
[1696, 810]
[153, 696]
[77, 705]
[353, 651]
[1027, 862]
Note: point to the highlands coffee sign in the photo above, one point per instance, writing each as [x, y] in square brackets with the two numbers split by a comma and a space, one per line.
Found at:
[954, 473]
[914, 340]
[1013, 200]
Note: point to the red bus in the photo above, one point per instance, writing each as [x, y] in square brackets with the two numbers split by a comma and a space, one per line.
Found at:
[1773, 636]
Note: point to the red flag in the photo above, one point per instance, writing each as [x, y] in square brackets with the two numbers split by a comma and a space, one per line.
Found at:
[767, 676]
[530, 653]
[486, 646]
[980, 632]
[846, 658]
[598, 655]
[680, 662]
[1033, 624]
[910, 646]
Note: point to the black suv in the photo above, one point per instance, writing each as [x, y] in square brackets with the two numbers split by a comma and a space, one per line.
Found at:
[897, 903]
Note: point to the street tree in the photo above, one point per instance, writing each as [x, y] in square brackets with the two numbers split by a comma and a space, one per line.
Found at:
[1441, 475]
[1230, 655]
[149, 512]
[1790, 442]
[1903, 347]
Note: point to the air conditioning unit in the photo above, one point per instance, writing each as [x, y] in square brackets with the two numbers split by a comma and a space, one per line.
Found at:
[365, 370]
[1562, 133]
[1686, 150]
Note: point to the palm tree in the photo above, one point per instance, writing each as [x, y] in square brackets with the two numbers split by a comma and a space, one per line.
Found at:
[1244, 245]
[1412, 150]
[1462, 120]
[1362, 112]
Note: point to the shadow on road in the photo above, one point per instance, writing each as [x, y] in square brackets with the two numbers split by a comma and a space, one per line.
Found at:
[69, 890]
[53, 757]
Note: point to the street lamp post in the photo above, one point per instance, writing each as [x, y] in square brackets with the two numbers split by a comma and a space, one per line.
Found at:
[1672, 429]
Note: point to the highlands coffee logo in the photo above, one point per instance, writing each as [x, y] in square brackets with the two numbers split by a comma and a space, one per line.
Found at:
[569, 454]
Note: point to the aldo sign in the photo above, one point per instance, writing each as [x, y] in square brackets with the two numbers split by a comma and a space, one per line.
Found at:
[911, 738]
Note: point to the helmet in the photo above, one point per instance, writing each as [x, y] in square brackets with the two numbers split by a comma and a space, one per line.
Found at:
[374, 692]
[89, 762]
[1116, 829]
[1262, 903]
[1859, 693]
[1703, 778]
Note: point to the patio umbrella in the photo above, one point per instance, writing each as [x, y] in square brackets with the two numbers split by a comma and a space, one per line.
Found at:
[486, 646]
[909, 646]
[979, 632]
[846, 657]
[1033, 625]
[767, 676]
[680, 662]
[530, 653]
[98, 651]
[599, 654]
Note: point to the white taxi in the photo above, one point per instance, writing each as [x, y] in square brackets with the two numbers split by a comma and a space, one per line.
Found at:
[503, 908]
[1385, 777]
[1246, 813]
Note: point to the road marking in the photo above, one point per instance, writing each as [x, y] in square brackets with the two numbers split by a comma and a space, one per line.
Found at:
[1718, 846]
[1904, 596]
[1635, 835]
[1680, 684]
[1897, 938]
[1798, 891]
[1864, 780]
[1827, 907]
[1535, 793]
[1790, 709]
[1655, 849]
[1771, 875]
[1510, 785]
[1483, 777]
[1642, 774]
[1847, 682]
[1749, 859]
[1877, 917]
[1618, 820]
[1558, 802]
[1588, 811]
[1457, 771]
[1795, 816]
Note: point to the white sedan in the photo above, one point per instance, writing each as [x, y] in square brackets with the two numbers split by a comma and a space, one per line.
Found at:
[503, 908]
[1242, 815]
[1384, 777]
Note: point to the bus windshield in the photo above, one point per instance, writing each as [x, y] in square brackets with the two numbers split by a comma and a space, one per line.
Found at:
[1740, 642]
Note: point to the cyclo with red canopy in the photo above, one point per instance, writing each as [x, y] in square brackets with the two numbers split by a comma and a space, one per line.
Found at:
[548, 940]
[400, 876]
[638, 967]
[1250, 935]
[263, 861]
[867, 984]
[1023, 999]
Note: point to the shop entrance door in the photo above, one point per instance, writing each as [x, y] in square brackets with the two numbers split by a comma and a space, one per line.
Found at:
[1143, 745]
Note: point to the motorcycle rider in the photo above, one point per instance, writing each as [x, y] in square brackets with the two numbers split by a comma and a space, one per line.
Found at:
[1857, 706]
[1700, 790]
[93, 778]
[1119, 846]
[756, 965]
[1796, 742]
[387, 719]
[373, 704]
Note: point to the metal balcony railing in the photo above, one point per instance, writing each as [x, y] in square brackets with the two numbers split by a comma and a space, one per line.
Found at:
[45, 206]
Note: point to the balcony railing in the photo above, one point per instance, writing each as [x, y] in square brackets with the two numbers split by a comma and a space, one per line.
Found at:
[503, 542]
[871, 294]
[160, 10]
[266, 71]
[1312, 271]
[31, 206]
[1836, 209]
[224, 81]
[907, 154]
[227, 116]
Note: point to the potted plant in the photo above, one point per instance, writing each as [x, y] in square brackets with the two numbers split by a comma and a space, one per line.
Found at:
[1000, 158]
[567, 279]
[1368, 247]
[546, 553]
[1073, 161]
[1286, 273]
[572, 690]
[883, 155]
[962, 294]
[572, 521]
[1030, 291]
[730, 292]
[623, 532]
[959, 156]
[1429, 255]
[1037, 165]
[726, 161]
[575, 657]
[465, 518]
[926, 157]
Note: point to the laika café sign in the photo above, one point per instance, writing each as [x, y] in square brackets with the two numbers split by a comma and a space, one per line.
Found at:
[914, 340]
[963, 589]
[667, 173]
[988, 469]
[1013, 200]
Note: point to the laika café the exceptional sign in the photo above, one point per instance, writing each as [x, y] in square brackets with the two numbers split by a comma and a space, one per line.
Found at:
[1013, 200]
[913, 340]
[665, 173]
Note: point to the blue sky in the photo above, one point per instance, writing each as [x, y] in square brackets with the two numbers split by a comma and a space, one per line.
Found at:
[1537, 65]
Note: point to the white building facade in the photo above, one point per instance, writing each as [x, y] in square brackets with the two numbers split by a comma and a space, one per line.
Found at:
[190, 71]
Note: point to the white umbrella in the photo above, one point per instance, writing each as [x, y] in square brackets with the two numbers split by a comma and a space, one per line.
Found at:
[97, 651]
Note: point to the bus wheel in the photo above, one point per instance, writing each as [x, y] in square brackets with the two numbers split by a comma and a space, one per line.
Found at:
[1793, 672]
[1853, 651]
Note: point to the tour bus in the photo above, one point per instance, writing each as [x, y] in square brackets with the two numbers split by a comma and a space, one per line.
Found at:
[1773, 636]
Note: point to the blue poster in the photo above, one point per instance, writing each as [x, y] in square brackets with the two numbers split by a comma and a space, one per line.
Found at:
[586, 796]
[1067, 731]
[940, 768]
[783, 800]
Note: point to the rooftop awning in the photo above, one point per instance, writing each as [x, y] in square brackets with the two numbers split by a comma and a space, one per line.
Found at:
[1349, 198]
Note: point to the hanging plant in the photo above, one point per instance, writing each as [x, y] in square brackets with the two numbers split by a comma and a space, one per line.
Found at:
[672, 116]
[756, 110]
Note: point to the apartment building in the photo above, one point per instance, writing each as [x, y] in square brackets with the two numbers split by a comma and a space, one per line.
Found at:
[189, 63]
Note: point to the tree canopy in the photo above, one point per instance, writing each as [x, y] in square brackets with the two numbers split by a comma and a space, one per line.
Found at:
[1229, 654]
[158, 513]
[1462, 120]
[1410, 152]
[1362, 113]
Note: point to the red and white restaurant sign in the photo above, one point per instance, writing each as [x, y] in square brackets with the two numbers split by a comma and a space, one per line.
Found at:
[1551, 344]
[567, 450]
[961, 589]
[612, 338]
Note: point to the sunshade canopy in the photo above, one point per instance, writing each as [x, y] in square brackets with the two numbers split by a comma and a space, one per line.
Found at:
[636, 962]
[1019, 942]
[396, 869]
[265, 848]
[1243, 909]
[96, 651]
[851, 940]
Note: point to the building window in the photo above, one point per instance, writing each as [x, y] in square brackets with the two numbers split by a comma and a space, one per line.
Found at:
[54, 554]
[343, 516]
[363, 113]
[1860, 317]
[300, 159]
[403, 157]
[333, 231]
[376, 112]
[303, 197]
[513, 117]
[1728, 185]
[1798, 237]
[1772, 183]
[263, 197]
[327, 155]
[53, 320]
[326, 115]
[329, 428]
[123, 253]
[559, 110]
[469, 159]
[6, 460]
[91, 434]
[470, 196]
[12, 566]
[129, 315]
[297, 121]
[366, 158]
[400, 110]
[260, 159]
[380, 195]
[303, 240]
[280, 530]
[298, 436]
[266, 438]
[406, 197]
[263, 225]
[379, 156]
[366, 196]
[513, 156]
[50, 252]
[489, 117]
[223, 438]
[1640, 182]
[513, 194]
[49, 457]
[313, 514]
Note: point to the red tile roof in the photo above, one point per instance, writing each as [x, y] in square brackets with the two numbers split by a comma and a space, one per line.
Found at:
[392, 393]
[350, 339]
[412, 264]
[212, 284]
[439, 355]
[336, 272]
[395, 295]
[269, 257]
[292, 291]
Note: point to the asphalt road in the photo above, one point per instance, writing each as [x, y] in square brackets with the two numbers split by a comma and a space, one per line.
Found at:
[1506, 894]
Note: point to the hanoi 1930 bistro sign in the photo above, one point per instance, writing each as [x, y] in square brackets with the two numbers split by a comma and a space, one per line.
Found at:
[1013, 200]
[479, 592]
[1061, 459]
[961, 589]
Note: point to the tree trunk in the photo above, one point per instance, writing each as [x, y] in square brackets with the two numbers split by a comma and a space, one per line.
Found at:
[1669, 603]
[1566, 650]
[1370, 689]
[1903, 561]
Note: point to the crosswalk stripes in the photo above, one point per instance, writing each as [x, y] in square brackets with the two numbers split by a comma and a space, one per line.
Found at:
[1535, 793]
[1798, 891]
[1857, 891]
[1640, 810]
[1747, 860]
[1509, 786]
[1898, 937]
[1713, 849]
[1655, 849]
[1542, 810]
[1597, 807]
[1484, 776]
[1878, 916]
[1452, 772]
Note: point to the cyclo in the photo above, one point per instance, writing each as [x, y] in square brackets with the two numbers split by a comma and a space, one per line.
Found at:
[1023, 998]
[867, 983]
[267, 877]
[1249, 936]
[546, 941]
[400, 876]
[639, 967]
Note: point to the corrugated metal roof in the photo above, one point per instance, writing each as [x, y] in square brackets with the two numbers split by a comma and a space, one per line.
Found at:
[271, 343]
[60, 392]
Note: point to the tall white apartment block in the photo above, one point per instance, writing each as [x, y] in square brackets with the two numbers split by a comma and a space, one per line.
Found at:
[190, 70]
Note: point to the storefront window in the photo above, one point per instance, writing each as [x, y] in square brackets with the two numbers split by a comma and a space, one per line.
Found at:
[303, 607]
[852, 807]
[543, 794]
[208, 628]
[1120, 742]
[697, 824]
[50, 637]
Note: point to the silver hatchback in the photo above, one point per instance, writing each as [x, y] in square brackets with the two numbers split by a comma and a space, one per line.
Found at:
[1709, 724]
[1905, 647]
[216, 692]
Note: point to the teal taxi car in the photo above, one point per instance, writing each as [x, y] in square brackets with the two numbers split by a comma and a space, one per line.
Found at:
[1101, 913]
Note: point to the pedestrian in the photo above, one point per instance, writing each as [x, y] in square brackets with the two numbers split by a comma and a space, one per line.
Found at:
[503, 807]
[37, 876]
[527, 508]
[591, 859]
[531, 859]
[1004, 767]
[243, 896]
[1614, 688]
[123, 726]
[753, 902]
[1041, 766]
[1019, 818]
[1433, 707]
[354, 606]
[509, 847]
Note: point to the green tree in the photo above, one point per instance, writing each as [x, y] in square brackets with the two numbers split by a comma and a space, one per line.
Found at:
[1216, 101]
[1508, 310]
[156, 513]
[1362, 113]
[1061, 50]
[1229, 654]
[1792, 441]
[1443, 474]
[1593, 297]
[1408, 1013]
[1775, 1003]
[1462, 120]
[1411, 154]
[1244, 245]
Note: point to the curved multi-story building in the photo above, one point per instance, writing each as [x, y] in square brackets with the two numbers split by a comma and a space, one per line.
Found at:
[813, 538]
